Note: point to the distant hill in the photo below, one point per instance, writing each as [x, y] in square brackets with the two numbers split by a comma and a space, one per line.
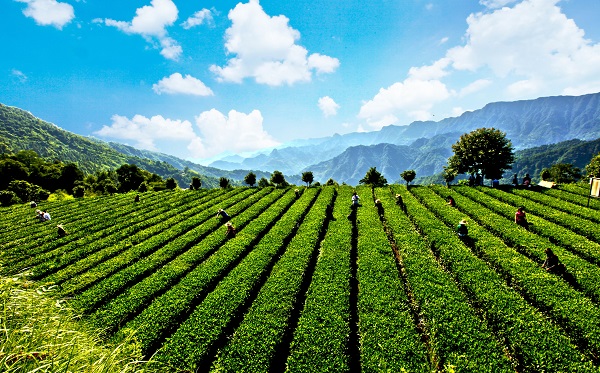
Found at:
[20, 130]
[527, 123]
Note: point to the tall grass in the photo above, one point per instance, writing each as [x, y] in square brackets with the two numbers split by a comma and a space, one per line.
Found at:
[39, 333]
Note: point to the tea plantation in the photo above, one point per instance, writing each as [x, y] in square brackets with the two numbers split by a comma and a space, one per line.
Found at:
[295, 290]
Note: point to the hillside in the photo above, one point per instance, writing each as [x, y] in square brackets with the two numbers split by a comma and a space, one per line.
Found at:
[20, 130]
[297, 288]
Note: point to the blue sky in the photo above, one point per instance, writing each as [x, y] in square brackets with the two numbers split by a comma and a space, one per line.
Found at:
[198, 78]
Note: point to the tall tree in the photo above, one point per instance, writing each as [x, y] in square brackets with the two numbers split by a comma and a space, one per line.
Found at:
[196, 182]
[278, 179]
[250, 179]
[373, 178]
[171, 183]
[592, 169]
[563, 173]
[307, 177]
[263, 182]
[486, 151]
[224, 182]
[130, 177]
[408, 176]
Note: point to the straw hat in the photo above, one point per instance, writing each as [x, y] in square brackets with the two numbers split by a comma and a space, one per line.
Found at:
[463, 222]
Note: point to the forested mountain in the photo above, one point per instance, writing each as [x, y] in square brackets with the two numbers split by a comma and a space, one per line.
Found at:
[20, 130]
[527, 123]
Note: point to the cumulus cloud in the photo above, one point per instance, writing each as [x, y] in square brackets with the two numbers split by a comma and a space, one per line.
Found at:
[414, 97]
[535, 45]
[203, 16]
[525, 51]
[236, 132]
[177, 84]
[150, 21]
[49, 12]
[145, 131]
[265, 49]
[328, 106]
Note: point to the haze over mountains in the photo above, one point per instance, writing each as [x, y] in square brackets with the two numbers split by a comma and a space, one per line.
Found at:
[426, 146]
[421, 146]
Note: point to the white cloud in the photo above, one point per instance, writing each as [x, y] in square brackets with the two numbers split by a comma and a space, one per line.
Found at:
[200, 17]
[145, 131]
[237, 132]
[20, 75]
[150, 21]
[532, 44]
[476, 86]
[265, 49]
[525, 51]
[328, 106]
[49, 12]
[177, 84]
[414, 97]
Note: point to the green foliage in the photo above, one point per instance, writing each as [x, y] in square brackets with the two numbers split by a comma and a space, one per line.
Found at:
[373, 178]
[592, 169]
[28, 192]
[170, 183]
[278, 179]
[79, 191]
[164, 267]
[41, 334]
[408, 176]
[196, 183]
[307, 177]
[485, 151]
[130, 177]
[224, 182]
[263, 183]
[331, 182]
[545, 174]
[8, 197]
[563, 173]
[250, 178]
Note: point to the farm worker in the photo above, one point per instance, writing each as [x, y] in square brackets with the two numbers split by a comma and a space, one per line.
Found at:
[379, 207]
[462, 229]
[44, 216]
[477, 180]
[451, 202]
[471, 180]
[515, 181]
[39, 215]
[61, 231]
[495, 183]
[137, 198]
[520, 218]
[230, 230]
[527, 180]
[297, 193]
[32, 204]
[223, 215]
[355, 200]
[552, 264]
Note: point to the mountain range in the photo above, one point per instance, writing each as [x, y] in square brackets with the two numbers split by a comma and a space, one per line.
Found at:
[423, 146]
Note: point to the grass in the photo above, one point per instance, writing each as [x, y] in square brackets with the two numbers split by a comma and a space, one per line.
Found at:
[39, 333]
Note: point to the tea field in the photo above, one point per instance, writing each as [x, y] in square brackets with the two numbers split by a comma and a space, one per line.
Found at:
[382, 290]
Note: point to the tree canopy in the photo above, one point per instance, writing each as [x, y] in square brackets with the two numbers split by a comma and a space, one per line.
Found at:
[373, 178]
[486, 151]
[408, 176]
[307, 177]
[592, 169]
[250, 178]
[278, 179]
